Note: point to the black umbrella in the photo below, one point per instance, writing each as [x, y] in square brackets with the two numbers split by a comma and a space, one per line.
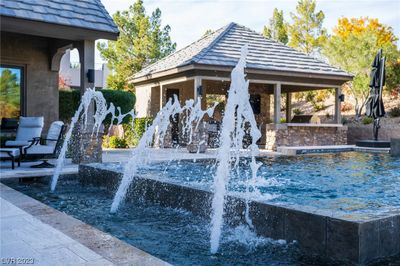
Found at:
[374, 104]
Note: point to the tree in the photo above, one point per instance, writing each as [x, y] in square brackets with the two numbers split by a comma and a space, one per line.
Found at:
[306, 33]
[9, 94]
[277, 28]
[142, 41]
[353, 46]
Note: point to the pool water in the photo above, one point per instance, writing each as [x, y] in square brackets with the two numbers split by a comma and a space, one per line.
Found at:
[175, 236]
[348, 182]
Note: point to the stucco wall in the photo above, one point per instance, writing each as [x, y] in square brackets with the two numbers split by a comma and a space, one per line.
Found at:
[143, 101]
[41, 84]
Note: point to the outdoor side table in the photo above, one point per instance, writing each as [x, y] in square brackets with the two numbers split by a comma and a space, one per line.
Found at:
[12, 154]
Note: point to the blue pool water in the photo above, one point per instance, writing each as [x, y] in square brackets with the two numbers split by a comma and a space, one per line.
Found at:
[175, 236]
[348, 182]
[351, 182]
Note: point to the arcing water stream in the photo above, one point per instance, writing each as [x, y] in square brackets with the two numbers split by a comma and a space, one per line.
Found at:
[238, 114]
[140, 156]
[100, 114]
[238, 119]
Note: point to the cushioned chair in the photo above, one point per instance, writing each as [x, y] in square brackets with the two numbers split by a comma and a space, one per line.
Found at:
[29, 128]
[45, 148]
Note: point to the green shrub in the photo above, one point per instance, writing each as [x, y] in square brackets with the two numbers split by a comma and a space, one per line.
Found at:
[133, 134]
[114, 142]
[124, 99]
[395, 112]
[69, 102]
[367, 120]
[318, 106]
[297, 111]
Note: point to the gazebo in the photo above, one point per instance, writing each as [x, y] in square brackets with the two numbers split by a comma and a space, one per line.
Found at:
[203, 68]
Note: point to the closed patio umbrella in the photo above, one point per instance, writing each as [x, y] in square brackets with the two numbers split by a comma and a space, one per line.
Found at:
[374, 104]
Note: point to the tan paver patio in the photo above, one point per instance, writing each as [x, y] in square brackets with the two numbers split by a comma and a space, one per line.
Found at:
[25, 237]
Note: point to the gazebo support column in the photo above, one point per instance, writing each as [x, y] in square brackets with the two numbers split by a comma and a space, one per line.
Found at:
[277, 103]
[87, 147]
[288, 107]
[338, 115]
[197, 88]
[162, 95]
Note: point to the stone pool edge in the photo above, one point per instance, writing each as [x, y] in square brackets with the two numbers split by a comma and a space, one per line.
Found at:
[322, 234]
[109, 247]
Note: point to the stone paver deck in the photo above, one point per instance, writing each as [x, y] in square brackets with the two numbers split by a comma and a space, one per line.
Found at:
[25, 169]
[109, 155]
[33, 230]
[25, 237]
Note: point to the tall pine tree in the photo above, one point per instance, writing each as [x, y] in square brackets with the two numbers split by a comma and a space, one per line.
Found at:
[142, 41]
[306, 33]
[277, 28]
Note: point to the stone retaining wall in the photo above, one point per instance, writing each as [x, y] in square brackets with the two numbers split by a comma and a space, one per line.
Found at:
[282, 135]
[363, 132]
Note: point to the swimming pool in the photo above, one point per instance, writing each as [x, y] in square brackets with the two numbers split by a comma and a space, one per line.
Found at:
[336, 206]
[351, 182]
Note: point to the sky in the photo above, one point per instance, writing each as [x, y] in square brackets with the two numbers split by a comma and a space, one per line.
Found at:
[189, 19]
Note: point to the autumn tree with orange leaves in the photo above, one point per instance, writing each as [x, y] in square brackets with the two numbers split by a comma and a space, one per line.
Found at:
[352, 47]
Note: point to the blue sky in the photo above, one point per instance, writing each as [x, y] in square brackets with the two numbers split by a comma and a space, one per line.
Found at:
[189, 19]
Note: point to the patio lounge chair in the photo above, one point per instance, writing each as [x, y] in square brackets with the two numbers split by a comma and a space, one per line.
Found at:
[46, 151]
[28, 129]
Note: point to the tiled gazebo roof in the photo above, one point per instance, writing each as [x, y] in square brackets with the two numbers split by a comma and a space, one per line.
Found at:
[88, 14]
[222, 48]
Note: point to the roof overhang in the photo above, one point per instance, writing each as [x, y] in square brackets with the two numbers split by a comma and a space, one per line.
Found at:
[51, 30]
[227, 70]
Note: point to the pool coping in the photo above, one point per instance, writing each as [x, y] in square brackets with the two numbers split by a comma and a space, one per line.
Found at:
[303, 150]
[109, 247]
[318, 233]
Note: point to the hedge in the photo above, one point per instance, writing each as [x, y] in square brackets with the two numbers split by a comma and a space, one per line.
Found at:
[69, 102]
[133, 133]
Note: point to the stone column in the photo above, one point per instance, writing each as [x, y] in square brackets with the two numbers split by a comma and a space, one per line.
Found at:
[87, 146]
[277, 103]
[288, 107]
[338, 115]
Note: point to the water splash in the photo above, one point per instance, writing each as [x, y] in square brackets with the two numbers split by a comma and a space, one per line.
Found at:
[156, 131]
[238, 116]
[90, 95]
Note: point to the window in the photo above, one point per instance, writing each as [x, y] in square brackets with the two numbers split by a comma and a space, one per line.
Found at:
[11, 90]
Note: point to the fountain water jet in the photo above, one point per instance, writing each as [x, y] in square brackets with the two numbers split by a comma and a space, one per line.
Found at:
[82, 112]
[238, 114]
[157, 130]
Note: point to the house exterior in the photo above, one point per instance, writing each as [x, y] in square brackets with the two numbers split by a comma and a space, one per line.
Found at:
[71, 73]
[203, 68]
[34, 37]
